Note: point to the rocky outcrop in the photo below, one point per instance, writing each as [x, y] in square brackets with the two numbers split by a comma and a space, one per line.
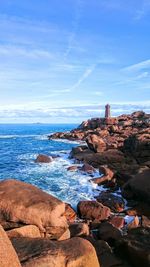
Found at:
[39, 252]
[25, 203]
[8, 256]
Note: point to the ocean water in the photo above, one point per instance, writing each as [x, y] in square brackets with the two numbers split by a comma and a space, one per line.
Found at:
[19, 146]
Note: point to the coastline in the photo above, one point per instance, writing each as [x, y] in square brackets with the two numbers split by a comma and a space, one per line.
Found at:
[103, 176]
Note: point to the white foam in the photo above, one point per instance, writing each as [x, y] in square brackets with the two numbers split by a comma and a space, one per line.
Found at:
[66, 141]
[17, 136]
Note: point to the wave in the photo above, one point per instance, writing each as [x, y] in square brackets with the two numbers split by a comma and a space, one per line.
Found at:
[54, 178]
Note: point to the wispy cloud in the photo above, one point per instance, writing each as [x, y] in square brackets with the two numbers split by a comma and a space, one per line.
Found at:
[139, 66]
[85, 75]
[17, 51]
[75, 25]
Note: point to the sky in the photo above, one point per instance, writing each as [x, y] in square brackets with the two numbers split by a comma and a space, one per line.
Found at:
[62, 61]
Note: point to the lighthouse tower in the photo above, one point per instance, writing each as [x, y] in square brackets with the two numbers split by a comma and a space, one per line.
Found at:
[107, 111]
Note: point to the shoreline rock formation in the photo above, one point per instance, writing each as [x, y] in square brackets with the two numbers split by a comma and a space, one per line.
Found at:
[41, 230]
[120, 148]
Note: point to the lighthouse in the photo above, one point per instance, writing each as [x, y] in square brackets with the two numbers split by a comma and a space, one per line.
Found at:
[107, 111]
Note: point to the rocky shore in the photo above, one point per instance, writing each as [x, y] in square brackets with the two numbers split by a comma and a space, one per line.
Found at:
[113, 230]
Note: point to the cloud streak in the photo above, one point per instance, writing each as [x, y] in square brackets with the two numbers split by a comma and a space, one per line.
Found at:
[85, 75]
[139, 66]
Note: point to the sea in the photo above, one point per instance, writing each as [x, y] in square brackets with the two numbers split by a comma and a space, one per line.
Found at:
[20, 144]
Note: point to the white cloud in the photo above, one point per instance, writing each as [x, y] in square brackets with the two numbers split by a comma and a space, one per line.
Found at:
[74, 113]
[14, 51]
[139, 66]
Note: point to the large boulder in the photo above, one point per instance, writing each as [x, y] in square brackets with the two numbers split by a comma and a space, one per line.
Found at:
[39, 252]
[95, 143]
[93, 210]
[136, 247]
[25, 203]
[8, 256]
[114, 202]
[108, 232]
[87, 168]
[138, 187]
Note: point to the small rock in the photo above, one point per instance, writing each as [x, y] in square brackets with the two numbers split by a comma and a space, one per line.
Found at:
[87, 168]
[43, 159]
[72, 168]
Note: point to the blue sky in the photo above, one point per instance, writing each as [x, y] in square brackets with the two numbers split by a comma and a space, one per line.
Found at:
[61, 61]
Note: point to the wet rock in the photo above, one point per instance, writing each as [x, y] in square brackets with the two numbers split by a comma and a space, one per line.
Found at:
[70, 213]
[8, 256]
[72, 168]
[136, 246]
[43, 159]
[93, 210]
[24, 203]
[40, 252]
[79, 229]
[87, 168]
[108, 232]
[114, 202]
[25, 231]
